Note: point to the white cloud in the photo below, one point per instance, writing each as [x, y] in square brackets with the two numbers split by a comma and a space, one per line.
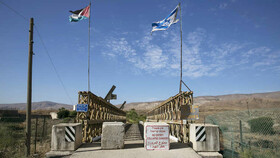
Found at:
[153, 59]
[201, 55]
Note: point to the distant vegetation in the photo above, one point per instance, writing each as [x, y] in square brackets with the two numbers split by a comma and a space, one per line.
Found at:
[64, 113]
[133, 117]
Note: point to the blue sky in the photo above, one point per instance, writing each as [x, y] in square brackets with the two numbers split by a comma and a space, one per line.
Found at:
[228, 47]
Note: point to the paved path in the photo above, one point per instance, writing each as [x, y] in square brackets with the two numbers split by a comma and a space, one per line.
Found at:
[134, 149]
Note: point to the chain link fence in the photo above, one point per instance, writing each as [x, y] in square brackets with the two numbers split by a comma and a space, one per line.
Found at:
[249, 134]
[12, 136]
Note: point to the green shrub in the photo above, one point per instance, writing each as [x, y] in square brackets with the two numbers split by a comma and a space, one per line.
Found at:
[142, 118]
[12, 119]
[262, 125]
[72, 114]
[133, 117]
[62, 113]
[67, 120]
[247, 153]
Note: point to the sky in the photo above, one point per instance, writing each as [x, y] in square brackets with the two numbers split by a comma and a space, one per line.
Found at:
[229, 47]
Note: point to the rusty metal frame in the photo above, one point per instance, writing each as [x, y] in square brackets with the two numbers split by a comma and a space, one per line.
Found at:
[174, 111]
[99, 111]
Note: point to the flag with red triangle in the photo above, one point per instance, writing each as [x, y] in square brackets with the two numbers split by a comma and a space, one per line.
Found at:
[80, 14]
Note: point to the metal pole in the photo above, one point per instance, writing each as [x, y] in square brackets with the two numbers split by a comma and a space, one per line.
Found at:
[89, 48]
[35, 140]
[29, 90]
[89, 52]
[181, 64]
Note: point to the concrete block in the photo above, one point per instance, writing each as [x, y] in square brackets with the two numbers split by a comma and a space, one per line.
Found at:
[66, 136]
[53, 115]
[210, 155]
[211, 143]
[112, 136]
[156, 136]
[57, 154]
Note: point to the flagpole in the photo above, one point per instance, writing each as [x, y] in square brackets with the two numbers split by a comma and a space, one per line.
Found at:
[181, 63]
[89, 51]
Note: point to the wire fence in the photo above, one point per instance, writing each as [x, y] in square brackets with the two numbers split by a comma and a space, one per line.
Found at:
[12, 135]
[249, 134]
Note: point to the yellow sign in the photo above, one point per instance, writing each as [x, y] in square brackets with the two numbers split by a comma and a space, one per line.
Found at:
[194, 113]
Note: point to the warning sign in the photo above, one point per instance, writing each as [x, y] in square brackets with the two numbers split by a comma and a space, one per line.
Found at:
[194, 113]
[157, 137]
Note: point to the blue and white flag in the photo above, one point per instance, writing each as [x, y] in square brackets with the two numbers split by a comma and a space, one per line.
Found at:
[167, 22]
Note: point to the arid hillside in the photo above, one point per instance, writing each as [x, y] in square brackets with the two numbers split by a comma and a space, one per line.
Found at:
[44, 105]
[213, 104]
[207, 104]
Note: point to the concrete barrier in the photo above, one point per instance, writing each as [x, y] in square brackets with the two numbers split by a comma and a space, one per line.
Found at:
[112, 136]
[66, 136]
[204, 137]
[53, 115]
[156, 136]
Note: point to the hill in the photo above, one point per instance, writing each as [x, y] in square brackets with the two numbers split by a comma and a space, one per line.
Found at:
[44, 105]
[207, 104]
[222, 102]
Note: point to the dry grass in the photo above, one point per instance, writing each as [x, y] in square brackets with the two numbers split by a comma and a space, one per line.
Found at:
[259, 144]
[12, 136]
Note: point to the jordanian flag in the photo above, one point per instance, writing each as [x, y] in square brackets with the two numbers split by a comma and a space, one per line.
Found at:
[79, 14]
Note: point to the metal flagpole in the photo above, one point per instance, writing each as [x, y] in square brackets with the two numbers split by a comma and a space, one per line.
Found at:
[89, 51]
[89, 48]
[181, 64]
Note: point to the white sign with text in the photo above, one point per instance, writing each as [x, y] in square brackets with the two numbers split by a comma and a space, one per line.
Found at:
[157, 137]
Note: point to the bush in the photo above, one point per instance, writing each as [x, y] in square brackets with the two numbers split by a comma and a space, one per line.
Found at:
[63, 113]
[247, 153]
[142, 118]
[133, 117]
[67, 120]
[12, 119]
[262, 125]
[73, 114]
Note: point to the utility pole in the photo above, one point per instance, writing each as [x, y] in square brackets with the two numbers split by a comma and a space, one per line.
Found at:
[29, 90]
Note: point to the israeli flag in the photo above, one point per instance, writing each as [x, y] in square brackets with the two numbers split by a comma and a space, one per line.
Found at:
[167, 22]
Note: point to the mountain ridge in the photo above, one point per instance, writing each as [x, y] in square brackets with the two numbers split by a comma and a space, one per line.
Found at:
[42, 105]
[268, 99]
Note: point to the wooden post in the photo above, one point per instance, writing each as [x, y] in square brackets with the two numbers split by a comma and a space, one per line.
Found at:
[248, 109]
[43, 131]
[29, 90]
[35, 140]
